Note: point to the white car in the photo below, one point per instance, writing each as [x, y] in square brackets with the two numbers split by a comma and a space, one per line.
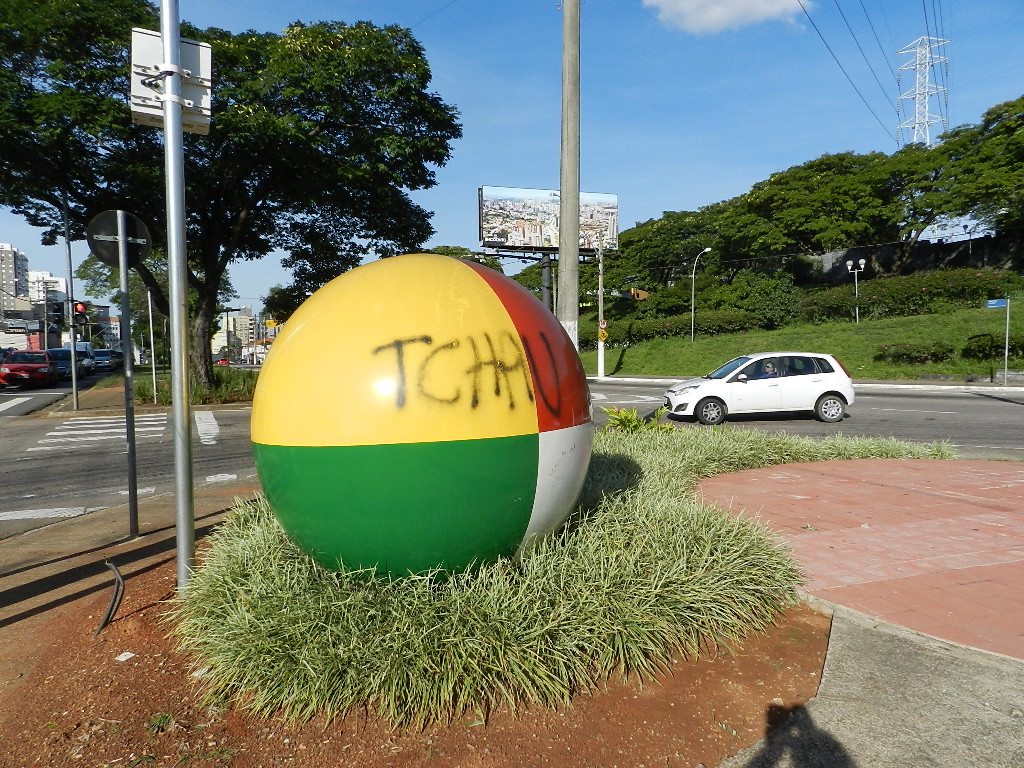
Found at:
[768, 382]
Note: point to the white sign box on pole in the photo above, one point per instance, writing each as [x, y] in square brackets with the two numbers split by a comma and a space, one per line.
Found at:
[147, 81]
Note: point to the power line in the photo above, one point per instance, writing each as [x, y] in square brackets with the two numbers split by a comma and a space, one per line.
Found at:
[433, 13]
[881, 48]
[843, 69]
[862, 54]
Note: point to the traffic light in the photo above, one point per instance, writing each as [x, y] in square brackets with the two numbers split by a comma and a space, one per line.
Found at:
[79, 313]
[55, 313]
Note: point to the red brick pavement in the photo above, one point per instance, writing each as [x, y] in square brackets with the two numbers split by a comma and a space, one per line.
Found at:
[935, 546]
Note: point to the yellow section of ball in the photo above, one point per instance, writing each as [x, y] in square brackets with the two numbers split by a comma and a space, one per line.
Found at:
[410, 349]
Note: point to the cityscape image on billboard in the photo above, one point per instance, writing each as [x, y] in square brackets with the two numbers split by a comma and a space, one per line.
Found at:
[527, 219]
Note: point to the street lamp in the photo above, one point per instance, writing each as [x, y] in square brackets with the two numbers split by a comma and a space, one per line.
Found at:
[693, 278]
[856, 287]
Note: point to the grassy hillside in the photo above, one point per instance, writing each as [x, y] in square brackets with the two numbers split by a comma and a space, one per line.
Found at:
[856, 345]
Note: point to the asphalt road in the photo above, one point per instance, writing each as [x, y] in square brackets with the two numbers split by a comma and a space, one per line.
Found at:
[981, 423]
[63, 466]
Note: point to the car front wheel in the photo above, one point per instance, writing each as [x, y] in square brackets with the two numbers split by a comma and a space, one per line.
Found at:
[710, 411]
[830, 408]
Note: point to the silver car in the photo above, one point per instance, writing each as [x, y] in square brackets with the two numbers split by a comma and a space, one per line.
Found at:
[767, 382]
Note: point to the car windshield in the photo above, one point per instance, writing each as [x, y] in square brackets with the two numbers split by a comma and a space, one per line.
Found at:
[60, 354]
[725, 370]
[26, 357]
[101, 353]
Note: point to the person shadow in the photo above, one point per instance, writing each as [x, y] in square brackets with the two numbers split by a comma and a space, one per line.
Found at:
[792, 740]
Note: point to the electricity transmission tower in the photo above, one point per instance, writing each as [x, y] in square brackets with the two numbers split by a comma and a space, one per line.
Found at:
[923, 62]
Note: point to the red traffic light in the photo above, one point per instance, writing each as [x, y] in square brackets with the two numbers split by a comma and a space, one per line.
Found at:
[80, 307]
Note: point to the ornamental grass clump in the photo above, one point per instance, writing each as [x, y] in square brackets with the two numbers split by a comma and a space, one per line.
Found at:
[643, 574]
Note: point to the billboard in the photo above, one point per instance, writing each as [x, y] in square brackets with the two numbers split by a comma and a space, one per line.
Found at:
[517, 219]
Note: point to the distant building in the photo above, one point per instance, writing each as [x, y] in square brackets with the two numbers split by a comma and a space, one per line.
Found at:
[235, 332]
[44, 286]
[14, 282]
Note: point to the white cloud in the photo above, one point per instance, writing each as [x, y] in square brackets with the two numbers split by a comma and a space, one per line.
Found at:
[702, 16]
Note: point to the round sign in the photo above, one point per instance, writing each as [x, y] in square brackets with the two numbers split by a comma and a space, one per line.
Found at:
[602, 335]
[603, 323]
[104, 237]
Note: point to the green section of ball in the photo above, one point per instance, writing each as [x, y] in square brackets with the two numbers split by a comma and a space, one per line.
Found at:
[403, 508]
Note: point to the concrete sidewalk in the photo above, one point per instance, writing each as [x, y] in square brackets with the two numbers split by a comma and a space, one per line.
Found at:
[922, 564]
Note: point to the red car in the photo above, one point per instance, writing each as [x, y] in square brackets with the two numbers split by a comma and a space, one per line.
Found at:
[29, 368]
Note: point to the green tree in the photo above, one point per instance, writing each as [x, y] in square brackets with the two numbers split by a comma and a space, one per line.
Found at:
[467, 254]
[659, 252]
[281, 302]
[983, 176]
[318, 134]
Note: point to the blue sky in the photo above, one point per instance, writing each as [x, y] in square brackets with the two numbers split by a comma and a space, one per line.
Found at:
[684, 102]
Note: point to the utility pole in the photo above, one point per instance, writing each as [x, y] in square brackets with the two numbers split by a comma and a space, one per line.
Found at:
[568, 299]
[921, 94]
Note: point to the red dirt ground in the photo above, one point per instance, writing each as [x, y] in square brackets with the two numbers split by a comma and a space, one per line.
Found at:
[74, 703]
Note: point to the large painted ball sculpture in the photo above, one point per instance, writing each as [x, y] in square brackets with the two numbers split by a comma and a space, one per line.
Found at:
[421, 412]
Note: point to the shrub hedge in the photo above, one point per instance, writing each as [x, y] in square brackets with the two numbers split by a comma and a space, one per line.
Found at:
[936, 352]
[709, 323]
[987, 346]
[921, 293]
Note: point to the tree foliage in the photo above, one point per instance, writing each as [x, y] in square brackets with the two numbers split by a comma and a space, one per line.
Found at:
[833, 202]
[318, 134]
[983, 171]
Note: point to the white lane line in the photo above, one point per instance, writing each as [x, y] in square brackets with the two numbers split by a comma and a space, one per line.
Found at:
[990, 447]
[69, 433]
[916, 410]
[38, 514]
[224, 478]
[147, 490]
[76, 440]
[207, 427]
[72, 439]
[14, 402]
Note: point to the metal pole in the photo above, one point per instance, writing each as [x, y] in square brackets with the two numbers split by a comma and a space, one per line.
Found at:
[152, 343]
[174, 169]
[600, 310]
[856, 296]
[545, 281]
[569, 192]
[70, 302]
[693, 292]
[126, 349]
[1006, 342]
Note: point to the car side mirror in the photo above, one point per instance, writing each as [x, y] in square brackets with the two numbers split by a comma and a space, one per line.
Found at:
[742, 377]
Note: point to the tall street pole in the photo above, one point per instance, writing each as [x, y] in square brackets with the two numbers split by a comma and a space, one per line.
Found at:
[601, 324]
[174, 169]
[69, 304]
[129, 369]
[693, 291]
[568, 300]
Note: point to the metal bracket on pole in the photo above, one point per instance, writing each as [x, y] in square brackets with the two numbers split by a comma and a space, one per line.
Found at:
[153, 68]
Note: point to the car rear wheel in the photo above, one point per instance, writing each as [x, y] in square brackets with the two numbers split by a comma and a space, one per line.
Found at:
[830, 408]
[710, 411]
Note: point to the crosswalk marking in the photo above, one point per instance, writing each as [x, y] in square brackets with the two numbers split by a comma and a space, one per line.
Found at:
[91, 429]
[207, 426]
[80, 430]
[13, 402]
